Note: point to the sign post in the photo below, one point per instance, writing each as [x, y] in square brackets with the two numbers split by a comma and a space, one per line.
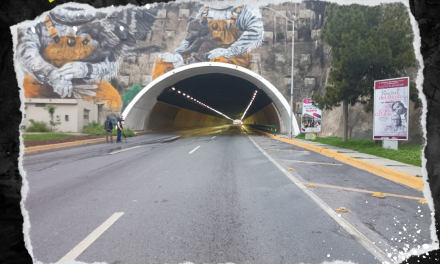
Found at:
[311, 119]
[391, 104]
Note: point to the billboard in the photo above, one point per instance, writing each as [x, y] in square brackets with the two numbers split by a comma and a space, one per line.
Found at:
[391, 102]
[311, 119]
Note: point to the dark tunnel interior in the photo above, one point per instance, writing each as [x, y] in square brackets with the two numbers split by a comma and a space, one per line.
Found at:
[228, 94]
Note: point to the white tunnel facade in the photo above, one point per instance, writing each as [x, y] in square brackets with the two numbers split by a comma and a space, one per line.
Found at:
[137, 113]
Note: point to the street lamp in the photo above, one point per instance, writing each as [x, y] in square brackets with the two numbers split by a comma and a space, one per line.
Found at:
[291, 74]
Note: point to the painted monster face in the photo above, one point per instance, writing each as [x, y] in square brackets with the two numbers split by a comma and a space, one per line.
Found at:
[197, 28]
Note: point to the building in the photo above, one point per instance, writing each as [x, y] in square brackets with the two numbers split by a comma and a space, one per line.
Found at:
[73, 114]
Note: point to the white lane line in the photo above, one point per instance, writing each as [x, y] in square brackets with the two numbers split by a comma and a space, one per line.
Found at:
[192, 151]
[169, 139]
[83, 245]
[322, 163]
[361, 238]
[213, 137]
[111, 153]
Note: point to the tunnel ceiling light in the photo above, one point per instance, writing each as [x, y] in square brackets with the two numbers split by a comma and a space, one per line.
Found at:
[210, 108]
[252, 100]
[173, 88]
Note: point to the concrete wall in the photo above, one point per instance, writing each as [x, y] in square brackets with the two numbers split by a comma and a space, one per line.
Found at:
[266, 116]
[73, 108]
[167, 117]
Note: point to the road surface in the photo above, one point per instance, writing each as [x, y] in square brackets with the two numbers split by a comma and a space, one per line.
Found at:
[217, 196]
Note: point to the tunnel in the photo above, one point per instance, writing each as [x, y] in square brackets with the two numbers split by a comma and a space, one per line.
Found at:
[214, 92]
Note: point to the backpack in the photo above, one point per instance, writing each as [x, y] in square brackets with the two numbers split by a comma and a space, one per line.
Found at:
[108, 125]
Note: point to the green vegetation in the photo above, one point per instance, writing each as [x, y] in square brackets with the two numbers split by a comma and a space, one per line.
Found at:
[37, 126]
[51, 110]
[368, 43]
[129, 95]
[46, 136]
[97, 129]
[408, 154]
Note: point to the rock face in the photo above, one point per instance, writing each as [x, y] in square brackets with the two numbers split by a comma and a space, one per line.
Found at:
[272, 60]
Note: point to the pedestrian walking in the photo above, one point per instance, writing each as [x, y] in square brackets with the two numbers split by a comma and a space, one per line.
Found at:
[108, 126]
[120, 129]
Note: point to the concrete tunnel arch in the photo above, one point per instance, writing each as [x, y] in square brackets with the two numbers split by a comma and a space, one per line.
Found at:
[137, 112]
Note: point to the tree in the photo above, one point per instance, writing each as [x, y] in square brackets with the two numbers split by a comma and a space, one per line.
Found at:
[368, 43]
[130, 94]
[51, 110]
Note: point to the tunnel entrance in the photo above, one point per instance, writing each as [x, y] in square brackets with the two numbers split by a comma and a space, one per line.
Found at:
[223, 87]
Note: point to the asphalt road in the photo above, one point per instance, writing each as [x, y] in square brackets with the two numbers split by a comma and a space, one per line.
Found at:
[213, 196]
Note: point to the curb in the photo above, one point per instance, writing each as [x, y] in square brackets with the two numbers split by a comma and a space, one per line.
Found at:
[387, 173]
[59, 146]
[38, 149]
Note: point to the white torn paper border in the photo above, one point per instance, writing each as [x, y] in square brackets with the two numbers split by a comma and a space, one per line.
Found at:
[419, 82]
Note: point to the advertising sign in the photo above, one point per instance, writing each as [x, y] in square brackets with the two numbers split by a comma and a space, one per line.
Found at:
[391, 101]
[311, 120]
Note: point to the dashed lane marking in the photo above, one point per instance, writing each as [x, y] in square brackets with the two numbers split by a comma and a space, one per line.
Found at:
[192, 151]
[111, 153]
[83, 245]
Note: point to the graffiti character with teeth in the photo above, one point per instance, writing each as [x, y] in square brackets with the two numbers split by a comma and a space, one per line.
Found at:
[226, 34]
[73, 52]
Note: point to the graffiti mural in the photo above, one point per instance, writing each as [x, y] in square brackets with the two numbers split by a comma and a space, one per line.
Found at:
[226, 34]
[74, 52]
[108, 55]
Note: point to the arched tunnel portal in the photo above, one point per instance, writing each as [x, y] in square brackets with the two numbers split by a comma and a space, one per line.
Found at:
[222, 86]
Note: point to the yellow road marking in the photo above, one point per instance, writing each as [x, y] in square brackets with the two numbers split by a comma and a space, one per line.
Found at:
[387, 173]
[365, 191]
[312, 162]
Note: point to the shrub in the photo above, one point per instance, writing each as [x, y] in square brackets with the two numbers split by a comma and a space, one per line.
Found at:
[97, 129]
[37, 126]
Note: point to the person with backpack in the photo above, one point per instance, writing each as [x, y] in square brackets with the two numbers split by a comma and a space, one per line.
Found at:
[120, 129]
[108, 126]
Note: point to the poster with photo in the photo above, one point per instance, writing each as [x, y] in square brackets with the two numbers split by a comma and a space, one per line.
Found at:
[311, 119]
[391, 101]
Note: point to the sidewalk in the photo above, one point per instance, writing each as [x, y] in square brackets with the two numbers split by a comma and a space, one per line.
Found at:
[405, 174]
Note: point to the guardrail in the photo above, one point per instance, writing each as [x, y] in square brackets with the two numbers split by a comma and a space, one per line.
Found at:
[267, 128]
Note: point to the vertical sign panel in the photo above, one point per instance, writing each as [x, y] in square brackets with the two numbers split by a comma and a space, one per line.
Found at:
[391, 102]
[311, 117]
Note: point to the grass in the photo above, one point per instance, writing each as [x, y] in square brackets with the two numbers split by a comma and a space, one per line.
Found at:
[46, 136]
[97, 129]
[408, 154]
